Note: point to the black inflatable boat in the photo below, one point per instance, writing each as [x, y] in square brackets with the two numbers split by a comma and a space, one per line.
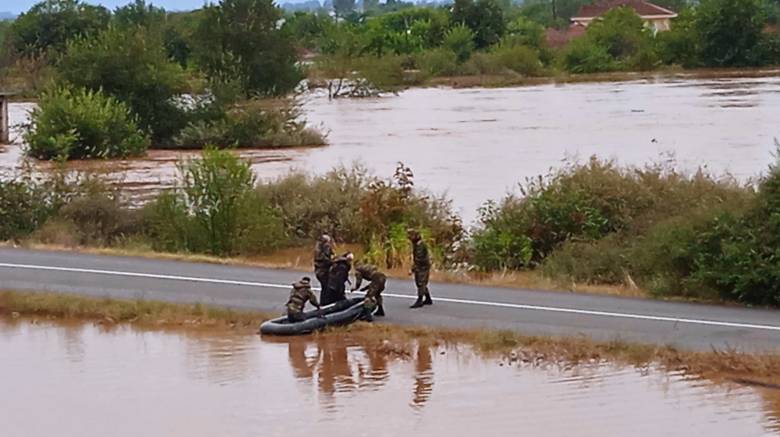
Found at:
[339, 313]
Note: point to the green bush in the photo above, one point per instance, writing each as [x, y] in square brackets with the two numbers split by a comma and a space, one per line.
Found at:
[459, 40]
[24, 206]
[588, 202]
[76, 124]
[313, 205]
[215, 210]
[132, 66]
[601, 261]
[252, 124]
[517, 58]
[584, 56]
[100, 219]
[437, 62]
[385, 73]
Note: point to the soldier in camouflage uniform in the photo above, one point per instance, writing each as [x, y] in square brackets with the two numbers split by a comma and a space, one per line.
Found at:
[337, 277]
[421, 267]
[300, 294]
[374, 288]
[323, 259]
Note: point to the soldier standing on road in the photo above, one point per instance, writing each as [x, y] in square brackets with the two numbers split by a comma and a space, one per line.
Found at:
[338, 276]
[374, 288]
[300, 294]
[421, 268]
[323, 258]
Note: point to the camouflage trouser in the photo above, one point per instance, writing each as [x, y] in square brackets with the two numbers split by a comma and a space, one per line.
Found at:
[421, 277]
[375, 289]
[322, 277]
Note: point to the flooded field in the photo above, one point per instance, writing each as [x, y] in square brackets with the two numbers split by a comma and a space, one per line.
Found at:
[478, 143]
[89, 380]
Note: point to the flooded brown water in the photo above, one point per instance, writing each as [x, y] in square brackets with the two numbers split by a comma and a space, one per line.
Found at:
[88, 380]
[478, 143]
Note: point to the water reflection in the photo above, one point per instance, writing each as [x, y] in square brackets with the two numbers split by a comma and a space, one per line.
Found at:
[423, 378]
[94, 380]
[340, 366]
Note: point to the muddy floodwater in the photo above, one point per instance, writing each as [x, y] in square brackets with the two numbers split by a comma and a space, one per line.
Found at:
[88, 380]
[476, 144]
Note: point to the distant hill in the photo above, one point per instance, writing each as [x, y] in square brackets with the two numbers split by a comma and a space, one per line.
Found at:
[7, 16]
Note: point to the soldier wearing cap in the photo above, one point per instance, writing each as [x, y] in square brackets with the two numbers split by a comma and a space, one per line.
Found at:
[421, 268]
[300, 294]
[323, 259]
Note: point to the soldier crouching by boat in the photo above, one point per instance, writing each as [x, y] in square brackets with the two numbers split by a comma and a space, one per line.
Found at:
[300, 294]
[374, 289]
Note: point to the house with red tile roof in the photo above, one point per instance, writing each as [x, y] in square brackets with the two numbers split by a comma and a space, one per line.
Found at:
[655, 17]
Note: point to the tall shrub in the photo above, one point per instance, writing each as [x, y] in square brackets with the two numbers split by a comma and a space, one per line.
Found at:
[214, 210]
[133, 66]
[239, 41]
[77, 123]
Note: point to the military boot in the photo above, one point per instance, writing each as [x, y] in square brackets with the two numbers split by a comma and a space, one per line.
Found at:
[380, 312]
[418, 303]
[428, 300]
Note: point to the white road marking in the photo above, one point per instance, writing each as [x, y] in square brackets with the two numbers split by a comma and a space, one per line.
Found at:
[406, 296]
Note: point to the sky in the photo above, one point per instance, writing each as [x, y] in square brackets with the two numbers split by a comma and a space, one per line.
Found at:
[19, 6]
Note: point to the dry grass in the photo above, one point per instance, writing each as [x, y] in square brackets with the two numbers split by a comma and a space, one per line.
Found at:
[54, 306]
[753, 369]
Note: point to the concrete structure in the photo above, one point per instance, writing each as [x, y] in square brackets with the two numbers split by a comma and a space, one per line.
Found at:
[5, 136]
[655, 17]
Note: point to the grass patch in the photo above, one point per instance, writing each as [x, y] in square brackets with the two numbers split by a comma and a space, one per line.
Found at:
[54, 306]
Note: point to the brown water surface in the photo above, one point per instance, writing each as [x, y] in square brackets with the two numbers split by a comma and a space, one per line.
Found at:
[478, 143]
[88, 380]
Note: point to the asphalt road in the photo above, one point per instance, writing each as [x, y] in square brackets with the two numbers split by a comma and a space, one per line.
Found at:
[692, 326]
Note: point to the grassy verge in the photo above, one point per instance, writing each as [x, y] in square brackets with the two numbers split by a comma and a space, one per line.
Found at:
[55, 306]
[729, 365]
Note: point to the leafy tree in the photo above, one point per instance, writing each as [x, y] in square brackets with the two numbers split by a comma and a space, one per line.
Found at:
[729, 31]
[342, 8]
[140, 14]
[523, 31]
[5, 27]
[307, 28]
[214, 210]
[484, 17]
[50, 24]
[583, 56]
[460, 40]
[132, 66]
[621, 32]
[238, 41]
[680, 45]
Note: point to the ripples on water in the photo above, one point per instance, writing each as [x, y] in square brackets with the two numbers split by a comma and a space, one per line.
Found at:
[478, 143]
[86, 380]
